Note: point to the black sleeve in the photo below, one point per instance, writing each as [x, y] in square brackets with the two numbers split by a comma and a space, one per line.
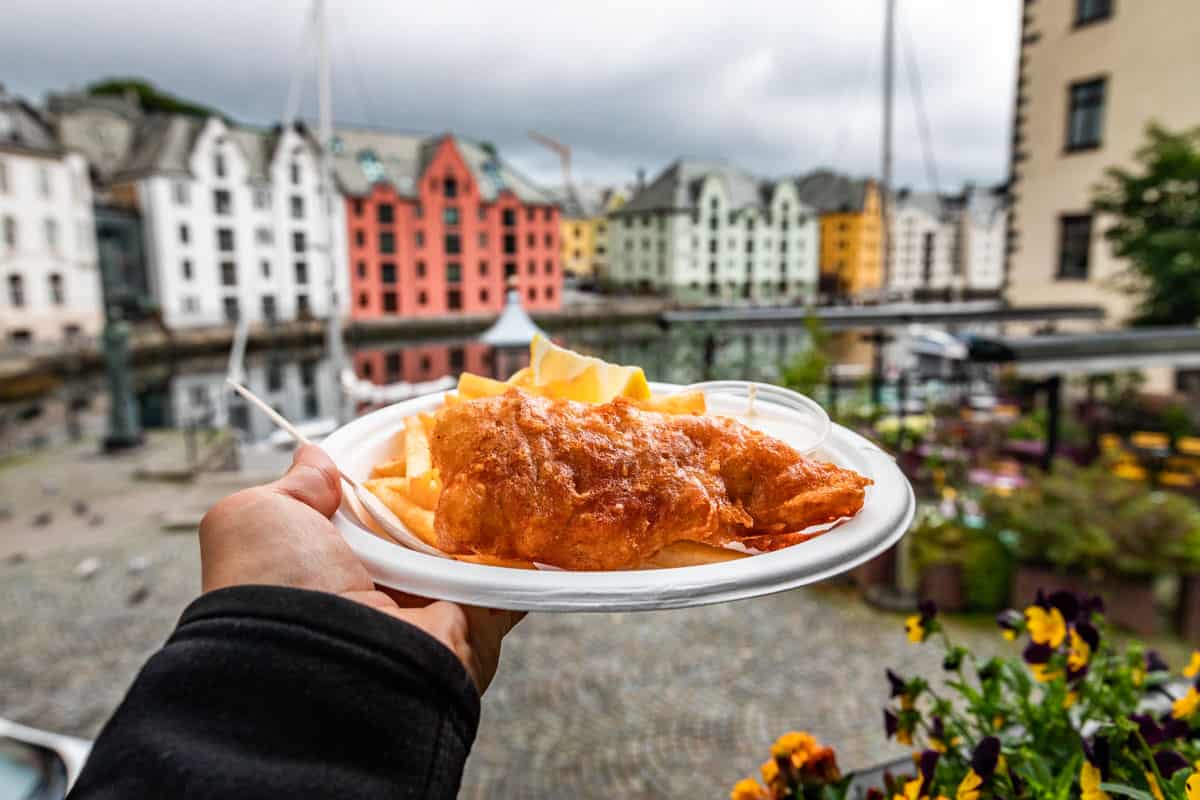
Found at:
[270, 692]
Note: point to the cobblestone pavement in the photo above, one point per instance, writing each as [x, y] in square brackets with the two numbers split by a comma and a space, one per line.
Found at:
[679, 703]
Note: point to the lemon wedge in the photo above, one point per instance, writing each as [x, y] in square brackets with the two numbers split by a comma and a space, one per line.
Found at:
[558, 372]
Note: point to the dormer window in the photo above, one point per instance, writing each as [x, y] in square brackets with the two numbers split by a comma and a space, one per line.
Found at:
[219, 165]
[295, 172]
[450, 186]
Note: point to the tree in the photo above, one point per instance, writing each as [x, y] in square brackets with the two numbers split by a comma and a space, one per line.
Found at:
[149, 97]
[1155, 214]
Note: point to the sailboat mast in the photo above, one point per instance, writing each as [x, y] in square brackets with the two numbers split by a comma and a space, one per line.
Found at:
[333, 329]
[889, 36]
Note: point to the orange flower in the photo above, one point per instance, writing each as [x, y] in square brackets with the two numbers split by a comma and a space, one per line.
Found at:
[748, 789]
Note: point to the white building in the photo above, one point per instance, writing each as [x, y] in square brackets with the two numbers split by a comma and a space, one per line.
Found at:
[233, 223]
[51, 284]
[947, 246]
[707, 232]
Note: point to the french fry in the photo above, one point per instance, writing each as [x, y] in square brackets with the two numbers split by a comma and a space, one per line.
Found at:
[390, 469]
[396, 445]
[681, 403]
[425, 489]
[416, 447]
[495, 561]
[471, 386]
[690, 554]
[428, 421]
[416, 519]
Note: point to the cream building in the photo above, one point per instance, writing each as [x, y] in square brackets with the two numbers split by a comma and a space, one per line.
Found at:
[1092, 74]
[51, 284]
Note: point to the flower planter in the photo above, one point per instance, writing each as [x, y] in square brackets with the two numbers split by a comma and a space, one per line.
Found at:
[879, 571]
[943, 584]
[1189, 608]
[1128, 602]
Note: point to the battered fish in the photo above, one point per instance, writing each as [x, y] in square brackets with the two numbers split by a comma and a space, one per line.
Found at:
[594, 487]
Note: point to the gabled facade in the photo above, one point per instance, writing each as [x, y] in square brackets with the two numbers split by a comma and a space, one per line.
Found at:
[441, 225]
[585, 230]
[48, 262]
[851, 233]
[707, 233]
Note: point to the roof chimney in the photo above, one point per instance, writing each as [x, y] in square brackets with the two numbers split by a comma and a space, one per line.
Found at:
[641, 178]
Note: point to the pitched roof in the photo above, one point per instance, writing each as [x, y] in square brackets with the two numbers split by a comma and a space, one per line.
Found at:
[828, 191]
[931, 203]
[364, 157]
[22, 127]
[678, 187]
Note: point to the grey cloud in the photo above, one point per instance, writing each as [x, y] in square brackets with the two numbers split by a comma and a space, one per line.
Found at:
[776, 87]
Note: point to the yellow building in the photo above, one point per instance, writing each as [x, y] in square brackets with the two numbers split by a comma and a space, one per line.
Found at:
[851, 233]
[585, 232]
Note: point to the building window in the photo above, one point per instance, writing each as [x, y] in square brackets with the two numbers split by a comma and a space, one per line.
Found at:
[228, 273]
[549, 267]
[299, 243]
[422, 298]
[420, 238]
[219, 165]
[483, 240]
[419, 211]
[264, 236]
[531, 293]
[1088, 11]
[362, 269]
[387, 242]
[16, 291]
[44, 181]
[548, 214]
[510, 244]
[303, 309]
[181, 193]
[230, 305]
[301, 272]
[1085, 115]
[265, 268]
[483, 295]
[222, 202]
[426, 365]
[363, 300]
[549, 293]
[358, 208]
[360, 238]
[450, 187]
[297, 206]
[387, 272]
[530, 240]
[51, 234]
[225, 240]
[385, 213]
[453, 244]
[483, 268]
[549, 240]
[509, 217]
[295, 171]
[268, 308]
[183, 233]
[389, 302]
[531, 268]
[453, 272]
[454, 299]
[530, 214]
[262, 199]
[1074, 242]
[450, 215]
[510, 269]
[420, 269]
[482, 214]
[187, 269]
[57, 297]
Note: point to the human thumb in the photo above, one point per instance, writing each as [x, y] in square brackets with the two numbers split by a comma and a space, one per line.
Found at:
[312, 479]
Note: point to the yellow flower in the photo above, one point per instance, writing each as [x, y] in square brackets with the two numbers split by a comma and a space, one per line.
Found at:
[1137, 675]
[791, 742]
[770, 771]
[914, 626]
[1070, 699]
[748, 789]
[1186, 706]
[1080, 653]
[998, 721]
[1046, 626]
[904, 737]
[1193, 667]
[969, 788]
[912, 790]
[906, 702]
[1089, 782]
[1154, 790]
[1192, 788]
[937, 744]
[1009, 634]
[1043, 672]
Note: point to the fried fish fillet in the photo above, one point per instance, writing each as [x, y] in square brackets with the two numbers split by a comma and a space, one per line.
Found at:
[587, 487]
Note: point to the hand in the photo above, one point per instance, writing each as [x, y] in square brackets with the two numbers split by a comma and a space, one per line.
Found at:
[280, 534]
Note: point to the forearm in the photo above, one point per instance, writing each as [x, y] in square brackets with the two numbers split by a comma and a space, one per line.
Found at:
[272, 692]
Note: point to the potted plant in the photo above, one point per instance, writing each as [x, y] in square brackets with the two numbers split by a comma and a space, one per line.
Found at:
[959, 561]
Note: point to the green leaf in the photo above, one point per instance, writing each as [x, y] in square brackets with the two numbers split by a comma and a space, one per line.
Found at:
[1126, 791]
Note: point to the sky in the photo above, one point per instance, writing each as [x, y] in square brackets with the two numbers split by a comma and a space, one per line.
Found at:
[777, 88]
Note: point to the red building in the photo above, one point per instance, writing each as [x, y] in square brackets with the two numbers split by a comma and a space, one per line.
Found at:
[441, 225]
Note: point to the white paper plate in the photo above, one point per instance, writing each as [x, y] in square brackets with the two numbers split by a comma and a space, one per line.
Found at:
[884, 518]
